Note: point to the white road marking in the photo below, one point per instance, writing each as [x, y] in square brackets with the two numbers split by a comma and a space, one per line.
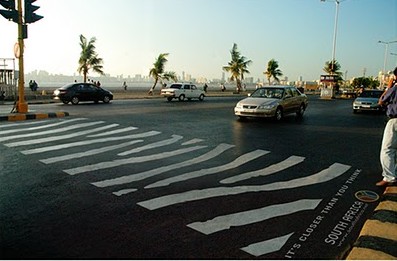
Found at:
[87, 142]
[124, 191]
[64, 129]
[115, 163]
[192, 141]
[291, 161]
[268, 246]
[330, 173]
[88, 152]
[253, 216]
[41, 126]
[112, 132]
[60, 137]
[153, 172]
[174, 139]
[199, 173]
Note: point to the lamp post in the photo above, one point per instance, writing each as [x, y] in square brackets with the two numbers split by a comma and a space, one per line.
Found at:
[337, 2]
[385, 59]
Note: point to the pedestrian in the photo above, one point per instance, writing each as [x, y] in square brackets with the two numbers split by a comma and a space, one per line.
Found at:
[31, 85]
[388, 151]
[205, 88]
[223, 88]
[124, 86]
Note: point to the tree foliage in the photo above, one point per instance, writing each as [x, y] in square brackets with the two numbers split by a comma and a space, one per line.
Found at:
[158, 71]
[273, 71]
[89, 59]
[237, 67]
[365, 82]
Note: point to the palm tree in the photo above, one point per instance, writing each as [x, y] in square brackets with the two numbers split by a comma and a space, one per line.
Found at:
[237, 66]
[273, 71]
[89, 59]
[158, 73]
[332, 68]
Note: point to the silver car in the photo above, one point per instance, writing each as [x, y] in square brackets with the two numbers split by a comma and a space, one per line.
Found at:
[272, 101]
[368, 101]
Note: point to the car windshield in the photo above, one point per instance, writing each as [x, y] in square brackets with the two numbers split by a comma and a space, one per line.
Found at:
[275, 93]
[176, 86]
[370, 94]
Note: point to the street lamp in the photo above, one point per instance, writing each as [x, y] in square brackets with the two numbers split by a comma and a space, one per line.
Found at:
[385, 58]
[337, 2]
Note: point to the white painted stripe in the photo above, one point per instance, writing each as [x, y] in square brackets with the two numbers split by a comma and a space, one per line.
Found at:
[64, 129]
[253, 216]
[268, 246]
[330, 173]
[28, 123]
[7, 124]
[116, 163]
[124, 191]
[88, 152]
[291, 161]
[51, 124]
[60, 137]
[153, 172]
[112, 132]
[174, 139]
[192, 141]
[203, 172]
[87, 142]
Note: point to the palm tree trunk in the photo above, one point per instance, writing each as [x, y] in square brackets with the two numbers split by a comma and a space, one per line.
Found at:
[154, 86]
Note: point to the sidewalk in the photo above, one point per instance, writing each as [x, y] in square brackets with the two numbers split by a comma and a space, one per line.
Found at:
[378, 237]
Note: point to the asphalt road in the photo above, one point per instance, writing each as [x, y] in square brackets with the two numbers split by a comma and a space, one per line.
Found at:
[151, 179]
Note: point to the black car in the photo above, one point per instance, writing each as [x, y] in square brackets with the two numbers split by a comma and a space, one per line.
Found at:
[76, 92]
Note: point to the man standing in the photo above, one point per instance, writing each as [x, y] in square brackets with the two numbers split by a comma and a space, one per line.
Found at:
[388, 152]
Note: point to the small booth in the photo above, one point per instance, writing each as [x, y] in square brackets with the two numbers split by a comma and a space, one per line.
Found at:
[328, 86]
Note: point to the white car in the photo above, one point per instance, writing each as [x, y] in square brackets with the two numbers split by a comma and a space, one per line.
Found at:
[182, 91]
[272, 101]
[367, 100]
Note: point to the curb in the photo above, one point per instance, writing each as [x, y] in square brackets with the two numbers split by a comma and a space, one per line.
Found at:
[378, 237]
[32, 116]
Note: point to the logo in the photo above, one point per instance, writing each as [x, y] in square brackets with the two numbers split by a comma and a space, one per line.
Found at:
[367, 196]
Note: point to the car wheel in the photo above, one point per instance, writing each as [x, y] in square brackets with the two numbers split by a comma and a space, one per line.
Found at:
[201, 97]
[279, 114]
[169, 99]
[181, 97]
[106, 99]
[75, 100]
[300, 111]
[355, 111]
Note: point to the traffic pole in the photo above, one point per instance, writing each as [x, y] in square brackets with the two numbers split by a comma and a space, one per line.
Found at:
[21, 106]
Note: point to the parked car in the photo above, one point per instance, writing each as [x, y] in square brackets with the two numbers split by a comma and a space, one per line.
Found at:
[76, 92]
[367, 100]
[182, 91]
[272, 101]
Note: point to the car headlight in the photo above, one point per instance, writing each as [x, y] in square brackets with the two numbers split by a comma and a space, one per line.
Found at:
[239, 106]
[56, 92]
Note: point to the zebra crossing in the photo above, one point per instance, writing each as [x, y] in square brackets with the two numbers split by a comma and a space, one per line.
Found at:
[62, 140]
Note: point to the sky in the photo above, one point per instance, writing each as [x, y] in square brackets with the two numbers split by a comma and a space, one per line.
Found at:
[199, 34]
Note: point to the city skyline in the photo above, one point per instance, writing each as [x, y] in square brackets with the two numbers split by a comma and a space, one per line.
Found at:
[199, 35]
